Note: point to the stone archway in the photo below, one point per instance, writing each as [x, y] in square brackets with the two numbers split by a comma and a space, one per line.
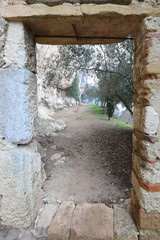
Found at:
[20, 173]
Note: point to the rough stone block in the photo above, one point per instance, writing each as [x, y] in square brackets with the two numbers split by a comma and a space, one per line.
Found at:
[61, 223]
[149, 235]
[148, 172]
[20, 47]
[150, 221]
[18, 104]
[124, 227]
[45, 218]
[151, 120]
[148, 201]
[92, 221]
[146, 120]
[20, 183]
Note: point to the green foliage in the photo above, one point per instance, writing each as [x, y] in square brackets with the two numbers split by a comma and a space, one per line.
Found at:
[122, 124]
[46, 103]
[110, 109]
[111, 66]
[73, 91]
[90, 93]
[98, 111]
[115, 77]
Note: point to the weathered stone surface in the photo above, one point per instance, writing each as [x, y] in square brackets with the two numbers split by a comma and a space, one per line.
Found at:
[45, 218]
[124, 227]
[20, 47]
[41, 150]
[147, 171]
[92, 221]
[148, 201]
[46, 125]
[120, 21]
[61, 223]
[3, 30]
[146, 119]
[149, 235]
[151, 121]
[146, 167]
[18, 104]
[20, 183]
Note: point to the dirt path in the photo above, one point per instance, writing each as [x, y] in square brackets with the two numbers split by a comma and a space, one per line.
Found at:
[92, 161]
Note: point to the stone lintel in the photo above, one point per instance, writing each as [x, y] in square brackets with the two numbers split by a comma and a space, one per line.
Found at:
[20, 12]
[86, 19]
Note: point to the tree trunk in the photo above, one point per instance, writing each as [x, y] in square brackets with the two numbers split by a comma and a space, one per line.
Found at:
[130, 110]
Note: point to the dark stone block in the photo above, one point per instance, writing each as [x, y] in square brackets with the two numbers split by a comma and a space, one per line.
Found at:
[56, 2]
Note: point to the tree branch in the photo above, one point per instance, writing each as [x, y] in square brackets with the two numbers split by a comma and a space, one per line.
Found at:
[121, 99]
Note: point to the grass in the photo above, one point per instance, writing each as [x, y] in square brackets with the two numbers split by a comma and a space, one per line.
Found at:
[98, 111]
[79, 116]
[122, 124]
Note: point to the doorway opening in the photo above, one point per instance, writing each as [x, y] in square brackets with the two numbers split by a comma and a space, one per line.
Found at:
[88, 156]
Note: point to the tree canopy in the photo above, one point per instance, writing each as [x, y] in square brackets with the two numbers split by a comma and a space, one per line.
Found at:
[73, 91]
[110, 66]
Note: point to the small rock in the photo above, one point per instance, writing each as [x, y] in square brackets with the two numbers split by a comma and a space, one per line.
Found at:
[45, 218]
[41, 150]
[59, 162]
[56, 156]
[45, 201]
[54, 147]
[34, 233]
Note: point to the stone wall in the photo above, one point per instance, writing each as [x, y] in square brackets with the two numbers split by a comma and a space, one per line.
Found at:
[146, 138]
[20, 172]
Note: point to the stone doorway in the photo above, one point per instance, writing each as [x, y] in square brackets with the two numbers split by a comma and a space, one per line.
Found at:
[20, 163]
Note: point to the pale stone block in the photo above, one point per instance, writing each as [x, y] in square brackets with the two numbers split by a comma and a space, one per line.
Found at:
[61, 223]
[20, 183]
[18, 104]
[151, 121]
[150, 173]
[92, 221]
[149, 201]
[149, 235]
[124, 226]
[45, 218]
[20, 47]
[152, 23]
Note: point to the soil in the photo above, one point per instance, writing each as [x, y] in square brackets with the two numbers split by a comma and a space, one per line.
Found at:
[93, 163]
